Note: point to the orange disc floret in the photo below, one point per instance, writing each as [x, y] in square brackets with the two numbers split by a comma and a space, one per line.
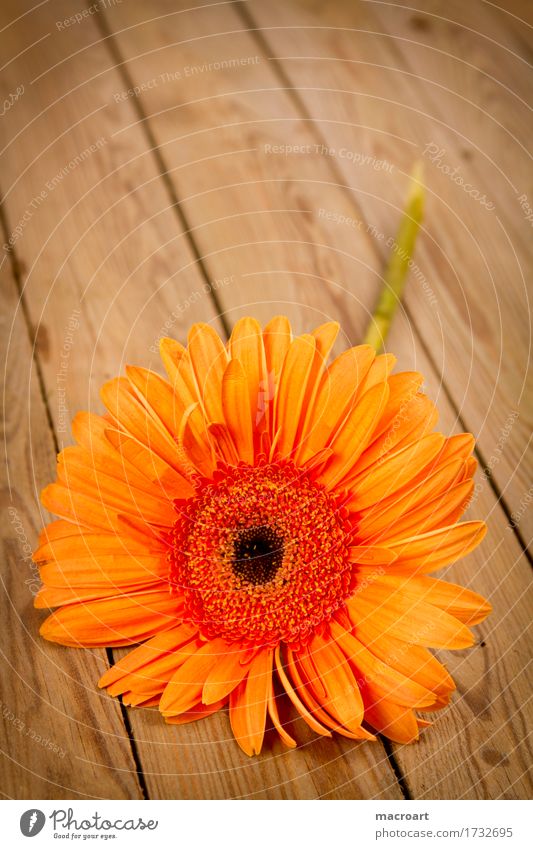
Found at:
[261, 555]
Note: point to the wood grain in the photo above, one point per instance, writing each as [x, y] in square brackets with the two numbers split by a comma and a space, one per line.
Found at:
[58, 739]
[81, 255]
[386, 83]
[226, 184]
[114, 261]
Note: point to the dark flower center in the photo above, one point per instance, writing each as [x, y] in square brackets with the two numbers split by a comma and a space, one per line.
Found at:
[257, 554]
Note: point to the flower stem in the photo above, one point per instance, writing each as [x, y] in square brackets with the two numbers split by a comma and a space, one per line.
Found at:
[396, 272]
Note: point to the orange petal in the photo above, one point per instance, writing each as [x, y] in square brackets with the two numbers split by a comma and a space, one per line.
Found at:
[208, 359]
[137, 420]
[334, 399]
[144, 672]
[49, 597]
[58, 529]
[395, 722]
[415, 662]
[317, 460]
[147, 653]
[442, 511]
[433, 550]
[88, 430]
[446, 455]
[307, 715]
[195, 455]
[289, 403]
[236, 410]
[375, 609]
[153, 678]
[274, 716]
[178, 367]
[166, 480]
[117, 454]
[378, 518]
[228, 672]
[378, 372]
[199, 711]
[248, 704]
[355, 434]
[415, 420]
[158, 395]
[381, 679]
[78, 508]
[395, 471]
[372, 555]
[185, 687]
[246, 346]
[464, 604]
[342, 697]
[305, 684]
[151, 701]
[470, 468]
[324, 336]
[112, 622]
[277, 337]
[110, 571]
[222, 443]
[461, 445]
[77, 471]
[86, 545]
[403, 387]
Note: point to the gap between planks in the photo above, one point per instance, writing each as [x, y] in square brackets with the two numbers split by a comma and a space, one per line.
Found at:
[169, 185]
[268, 51]
[15, 273]
[122, 69]
[393, 783]
[257, 33]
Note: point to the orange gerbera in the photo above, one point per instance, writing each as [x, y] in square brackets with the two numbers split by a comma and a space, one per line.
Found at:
[262, 517]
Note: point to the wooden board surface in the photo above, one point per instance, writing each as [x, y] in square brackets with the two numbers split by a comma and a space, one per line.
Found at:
[161, 152]
[58, 738]
[383, 82]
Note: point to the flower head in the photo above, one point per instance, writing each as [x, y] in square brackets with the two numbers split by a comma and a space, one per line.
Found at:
[263, 516]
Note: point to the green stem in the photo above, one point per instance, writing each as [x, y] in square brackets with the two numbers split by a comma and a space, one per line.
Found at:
[396, 272]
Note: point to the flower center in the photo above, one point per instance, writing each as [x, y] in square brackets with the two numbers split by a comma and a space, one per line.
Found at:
[260, 555]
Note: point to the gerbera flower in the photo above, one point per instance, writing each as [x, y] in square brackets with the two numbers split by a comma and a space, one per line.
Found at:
[263, 523]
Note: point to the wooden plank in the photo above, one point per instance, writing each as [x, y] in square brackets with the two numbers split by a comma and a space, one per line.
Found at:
[458, 728]
[312, 771]
[484, 58]
[380, 101]
[484, 71]
[104, 268]
[194, 118]
[58, 741]
[109, 245]
[104, 239]
[500, 28]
